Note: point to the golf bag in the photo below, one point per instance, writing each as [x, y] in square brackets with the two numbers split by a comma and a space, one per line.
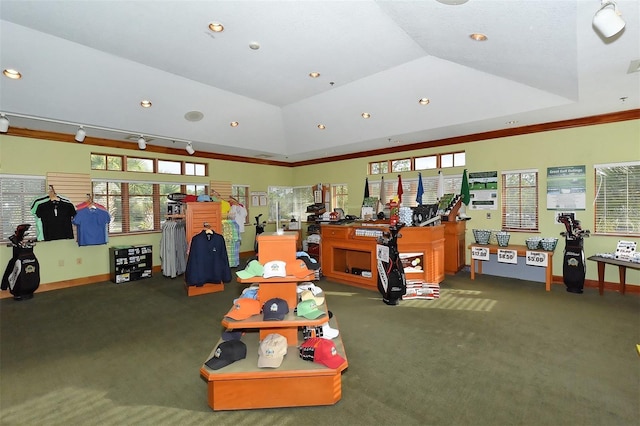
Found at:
[259, 230]
[574, 267]
[22, 274]
[392, 283]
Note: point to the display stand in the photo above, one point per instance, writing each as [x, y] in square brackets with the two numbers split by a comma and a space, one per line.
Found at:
[455, 247]
[242, 385]
[199, 215]
[130, 263]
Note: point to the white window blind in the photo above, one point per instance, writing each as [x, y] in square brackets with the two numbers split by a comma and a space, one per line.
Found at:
[452, 185]
[520, 200]
[16, 195]
[617, 199]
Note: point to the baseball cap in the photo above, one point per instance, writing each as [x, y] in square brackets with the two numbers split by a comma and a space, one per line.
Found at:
[308, 286]
[309, 263]
[249, 293]
[275, 309]
[227, 353]
[243, 308]
[231, 335]
[309, 309]
[324, 331]
[308, 295]
[322, 351]
[272, 350]
[253, 269]
[299, 269]
[275, 268]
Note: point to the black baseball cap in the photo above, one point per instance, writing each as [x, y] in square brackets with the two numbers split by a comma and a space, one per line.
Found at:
[227, 353]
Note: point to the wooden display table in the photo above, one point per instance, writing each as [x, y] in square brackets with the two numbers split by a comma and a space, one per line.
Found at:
[622, 271]
[348, 253]
[521, 252]
[242, 385]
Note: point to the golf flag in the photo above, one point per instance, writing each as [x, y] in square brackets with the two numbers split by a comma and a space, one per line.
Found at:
[464, 191]
[440, 184]
[400, 191]
[366, 189]
[420, 190]
[381, 201]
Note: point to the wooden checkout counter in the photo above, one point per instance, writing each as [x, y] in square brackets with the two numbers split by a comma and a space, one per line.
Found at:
[349, 249]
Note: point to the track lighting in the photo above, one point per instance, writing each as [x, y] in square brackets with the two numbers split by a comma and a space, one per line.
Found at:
[80, 134]
[608, 20]
[142, 144]
[190, 149]
[4, 124]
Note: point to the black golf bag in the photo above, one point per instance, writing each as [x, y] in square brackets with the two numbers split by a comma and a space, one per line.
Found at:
[259, 230]
[574, 267]
[392, 283]
[22, 275]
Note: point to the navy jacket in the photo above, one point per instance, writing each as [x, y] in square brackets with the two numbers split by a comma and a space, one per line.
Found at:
[208, 261]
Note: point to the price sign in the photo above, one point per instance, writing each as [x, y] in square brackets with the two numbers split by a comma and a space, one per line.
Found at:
[480, 253]
[507, 256]
[537, 258]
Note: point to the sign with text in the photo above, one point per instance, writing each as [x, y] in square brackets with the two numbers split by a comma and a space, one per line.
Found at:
[480, 253]
[508, 256]
[625, 250]
[537, 258]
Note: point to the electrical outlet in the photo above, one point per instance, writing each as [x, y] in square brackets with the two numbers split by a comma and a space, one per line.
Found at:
[488, 215]
[79, 261]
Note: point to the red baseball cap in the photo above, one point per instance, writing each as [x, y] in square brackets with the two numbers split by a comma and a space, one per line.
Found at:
[324, 352]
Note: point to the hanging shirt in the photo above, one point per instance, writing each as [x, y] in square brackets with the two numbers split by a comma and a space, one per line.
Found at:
[92, 226]
[56, 216]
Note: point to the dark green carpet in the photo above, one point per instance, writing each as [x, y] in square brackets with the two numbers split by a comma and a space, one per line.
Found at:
[493, 351]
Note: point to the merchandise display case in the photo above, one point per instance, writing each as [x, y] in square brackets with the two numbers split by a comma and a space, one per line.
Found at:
[130, 263]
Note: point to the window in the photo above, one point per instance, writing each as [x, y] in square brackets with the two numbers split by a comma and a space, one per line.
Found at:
[106, 162]
[520, 200]
[424, 163]
[139, 165]
[339, 196]
[289, 202]
[170, 167]
[617, 198]
[16, 195]
[241, 193]
[403, 165]
[455, 159]
[195, 169]
[452, 185]
[379, 168]
[138, 206]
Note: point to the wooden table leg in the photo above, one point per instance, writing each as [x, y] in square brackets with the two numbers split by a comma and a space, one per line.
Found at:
[622, 271]
[601, 277]
[473, 269]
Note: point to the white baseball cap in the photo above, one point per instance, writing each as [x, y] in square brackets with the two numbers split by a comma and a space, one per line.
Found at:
[275, 268]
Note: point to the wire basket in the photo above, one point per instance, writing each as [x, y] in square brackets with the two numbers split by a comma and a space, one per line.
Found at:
[502, 238]
[548, 244]
[482, 236]
[533, 243]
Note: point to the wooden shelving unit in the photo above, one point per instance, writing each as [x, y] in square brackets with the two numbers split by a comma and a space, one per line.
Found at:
[296, 383]
[197, 215]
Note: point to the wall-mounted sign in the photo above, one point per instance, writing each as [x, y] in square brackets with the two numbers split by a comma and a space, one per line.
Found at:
[537, 258]
[566, 188]
[483, 187]
[508, 256]
[480, 253]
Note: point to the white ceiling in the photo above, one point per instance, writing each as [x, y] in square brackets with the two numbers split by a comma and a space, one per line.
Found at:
[92, 62]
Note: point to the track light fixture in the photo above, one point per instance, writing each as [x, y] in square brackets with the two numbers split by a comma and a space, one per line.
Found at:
[80, 134]
[608, 20]
[142, 143]
[190, 149]
[4, 123]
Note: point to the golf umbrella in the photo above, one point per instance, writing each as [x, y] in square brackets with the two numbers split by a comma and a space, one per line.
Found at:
[440, 184]
[366, 189]
[381, 202]
[420, 190]
[400, 191]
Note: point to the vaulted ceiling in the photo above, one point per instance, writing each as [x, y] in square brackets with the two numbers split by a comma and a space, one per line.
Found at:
[92, 62]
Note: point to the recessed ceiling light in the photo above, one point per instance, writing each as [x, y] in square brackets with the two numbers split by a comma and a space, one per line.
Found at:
[321, 126]
[366, 115]
[234, 124]
[453, 2]
[478, 37]
[512, 122]
[216, 27]
[314, 74]
[145, 103]
[11, 73]
[254, 45]
[424, 101]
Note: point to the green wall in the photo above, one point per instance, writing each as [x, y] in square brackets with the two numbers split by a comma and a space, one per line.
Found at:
[607, 143]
